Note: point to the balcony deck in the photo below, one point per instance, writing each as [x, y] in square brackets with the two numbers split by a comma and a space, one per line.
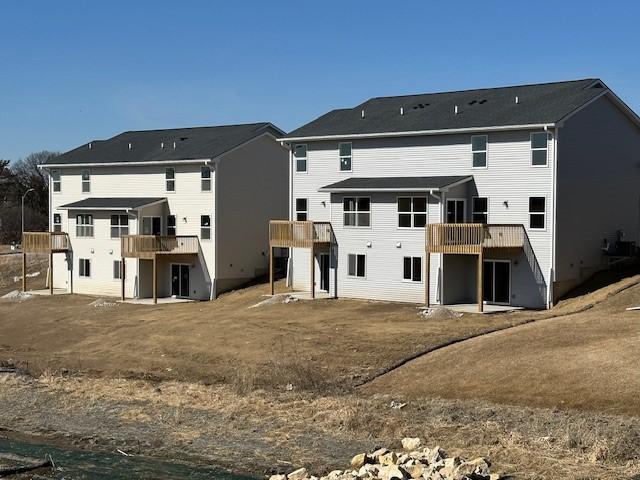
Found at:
[148, 246]
[472, 238]
[45, 242]
[299, 234]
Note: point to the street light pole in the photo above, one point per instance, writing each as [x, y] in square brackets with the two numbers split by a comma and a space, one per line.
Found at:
[23, 196]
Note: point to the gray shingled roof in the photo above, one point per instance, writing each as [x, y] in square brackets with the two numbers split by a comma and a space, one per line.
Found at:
[490, 107]
[115, 203]
[191, 144]
[413, 184]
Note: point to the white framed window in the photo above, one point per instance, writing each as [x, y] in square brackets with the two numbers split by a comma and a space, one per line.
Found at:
[84, 267]
[356, 211]
[57, 222]
[357, 263]
[539, 146]
[412, 269]
[55, 180]
[537, 213]
[205, 179]
[84, 225]
[171, 225]
[86, 181]
[480, 210]
[412, 212]
[205, 227]
[117, 269]
[119, 225]
[302, 212]
[170, 179]
[479, 151]
[300, 157]
[345, 156]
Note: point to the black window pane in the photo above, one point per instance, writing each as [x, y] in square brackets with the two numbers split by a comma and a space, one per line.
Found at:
[115, 232]
[419, 220]
[301, 216]
[480, 204]
[345, 164]
[539, 140]
[407, 268]
[480, 159]
[349, 204]
[87, 268]
[205, 220]
[539, 157]
[364, 204]
[169, 173]
[345, 149]
[56, 218]
[171, 221]
[205, 233]
[350, 219]
[479, 218]
[301, 204]
[404, 220]
[301, 165]
[300, 151]
[419, 204]
[206, 172]
[536, 220]
[417, 269]
[361, 261]
[364, 219]
[536, 204]
[404, 204]
[479, 143]
[352, 265]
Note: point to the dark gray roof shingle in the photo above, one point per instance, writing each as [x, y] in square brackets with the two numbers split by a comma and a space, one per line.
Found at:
[414, 184]
[537, 104]
[116, 203]
[191, 144]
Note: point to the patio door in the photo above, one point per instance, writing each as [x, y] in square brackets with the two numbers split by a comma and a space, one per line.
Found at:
[456, 210]
[324, 272]
[179, 280]
[151, 225]
[497, 281]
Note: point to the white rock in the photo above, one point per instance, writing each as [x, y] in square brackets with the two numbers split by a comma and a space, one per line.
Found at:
[278, 477]
[411, 443]
[299, 474]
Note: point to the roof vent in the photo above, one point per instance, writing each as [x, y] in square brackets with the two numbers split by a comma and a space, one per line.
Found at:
[362, 113]
[517, 99]
[130, 145]
[90, 145]
[455, 109]
[162, 145]
[401, 110]
[174, 145]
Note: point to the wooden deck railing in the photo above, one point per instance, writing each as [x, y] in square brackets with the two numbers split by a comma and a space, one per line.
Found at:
[45, 242]
[147, 246]
[471, 238]
[299, 234]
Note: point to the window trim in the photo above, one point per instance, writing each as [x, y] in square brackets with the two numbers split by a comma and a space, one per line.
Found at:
[356, 276]
[204, 179]
[119, 277]
[209, 228]
[54, 181]
[119, 226]
[167, 180]
[80, 260]
[531, 150]
[85, 225]
[174, 226]
[296, 211]
[295, 159]
[350, 157]
[412, 212]
[83, 181]
[411, 280]
[473, 212]
[356, 212]
[486, 152]
[544, 214]
[58, 224]
[456, 199]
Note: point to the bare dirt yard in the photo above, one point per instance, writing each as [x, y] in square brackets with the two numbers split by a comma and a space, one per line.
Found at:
[282, 385]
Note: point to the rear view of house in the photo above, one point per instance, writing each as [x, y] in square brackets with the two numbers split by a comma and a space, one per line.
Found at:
[163, 213]
[505, 196]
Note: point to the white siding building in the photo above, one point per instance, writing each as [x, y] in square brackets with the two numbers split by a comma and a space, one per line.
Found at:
[186, 207]
[513, 184]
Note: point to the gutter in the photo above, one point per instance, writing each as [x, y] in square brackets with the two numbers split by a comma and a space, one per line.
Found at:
[124, 164]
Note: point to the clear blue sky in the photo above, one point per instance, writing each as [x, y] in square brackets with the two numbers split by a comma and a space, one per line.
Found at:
[73, 71]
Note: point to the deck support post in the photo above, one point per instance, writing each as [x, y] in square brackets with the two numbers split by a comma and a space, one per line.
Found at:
[155, 279]
[50, 272]
[122, 272]
[271, 270]
[313, 273]
[24, 270]
[480, 281]
[427, 271]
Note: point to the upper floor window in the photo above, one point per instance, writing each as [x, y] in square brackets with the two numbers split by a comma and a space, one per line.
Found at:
[357, 211]
[57, 222]
[86, 181]
[170, 179]
[539, 147]
[119, 225]
[300, 156]
[205, 227]
[345, 157]
[412, 269]
[302, 212]
[480, 209]
[479, 151]
[84, 225]
[412, 212]
[171, 225]
[55, 180]
[205, 179]
[537, 212]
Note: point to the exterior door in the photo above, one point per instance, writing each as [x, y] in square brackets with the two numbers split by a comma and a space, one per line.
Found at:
[324, 272]
[179, 280]
[151, 226]
[497, 281]
[456, 210]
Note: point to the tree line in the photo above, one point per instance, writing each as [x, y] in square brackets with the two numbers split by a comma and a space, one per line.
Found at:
[16, 178]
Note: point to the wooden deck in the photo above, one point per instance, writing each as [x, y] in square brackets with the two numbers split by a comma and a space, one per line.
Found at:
[148, 246]
[43, 243]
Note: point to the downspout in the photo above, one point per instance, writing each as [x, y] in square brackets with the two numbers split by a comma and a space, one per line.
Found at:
[552, 270]
[439, 276]
[216, 170]
[289, 281]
